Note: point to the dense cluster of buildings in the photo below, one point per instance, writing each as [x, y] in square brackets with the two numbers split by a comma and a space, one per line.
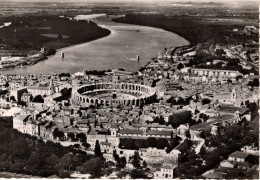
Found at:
[112, 108]
[243, 163]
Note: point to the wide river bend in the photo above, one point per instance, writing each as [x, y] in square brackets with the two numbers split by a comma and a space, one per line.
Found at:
[114, 51]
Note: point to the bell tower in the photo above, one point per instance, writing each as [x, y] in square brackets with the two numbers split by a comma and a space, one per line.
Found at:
[51, 87]
[233, 94]
[113, 132]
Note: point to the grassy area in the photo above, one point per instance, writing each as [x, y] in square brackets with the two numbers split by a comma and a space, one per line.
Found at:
[34, 32]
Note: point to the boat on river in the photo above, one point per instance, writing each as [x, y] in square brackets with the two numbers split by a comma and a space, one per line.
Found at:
[136, 59]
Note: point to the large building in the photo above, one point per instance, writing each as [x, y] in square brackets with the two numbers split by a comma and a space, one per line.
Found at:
[24, 124]
[165, 172]
[26, 93]
[42, 89]
[215, 73]
[113, 94]
[17, 93]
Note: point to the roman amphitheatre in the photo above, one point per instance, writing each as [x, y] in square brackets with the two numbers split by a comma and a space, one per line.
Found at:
[113, 94]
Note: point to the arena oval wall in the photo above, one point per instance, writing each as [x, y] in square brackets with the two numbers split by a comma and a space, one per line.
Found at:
[143, 94]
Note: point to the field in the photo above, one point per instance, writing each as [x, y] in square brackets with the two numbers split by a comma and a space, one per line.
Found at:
[34, 32]
[193, 29]
[63, 36]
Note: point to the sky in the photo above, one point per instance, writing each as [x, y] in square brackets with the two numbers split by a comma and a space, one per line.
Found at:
[129, 1]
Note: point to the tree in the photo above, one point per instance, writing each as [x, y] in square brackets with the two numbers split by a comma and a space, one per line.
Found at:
[188, 155]
[176, 119]
[81, 136]
[151, 142]
[127, 144]
[180, 101]
[60, 37]
[64, 174]
[71, 136]
[212, 160]
[172, 101]
[238, 77]
[205, 101]
[252, 107]
[220, 52]
[173, 143]
[180, 66]
[159, 120]
[136, 160]
[138, 174]
[254, 83]
[181, 170]
[204, 117]
[28, 155]
[140, 143]
[121, 163]
[233, 130]
[12, 98]
[115, 155]
[154, 82]
[57, 134]
[97, 149]
[93, 167]
[187, 100]
[121, 174]
[38, 99]
[21, 148]
[6, 84]
[144, 164]
[205, 134]
[233, 63]
[76, 146]
[50, 161]
[64, 162]
[86, 145]
[162, 143]
[229, 81]
[64, 75]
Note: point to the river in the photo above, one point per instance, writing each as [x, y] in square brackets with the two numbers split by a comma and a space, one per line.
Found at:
[113, 51]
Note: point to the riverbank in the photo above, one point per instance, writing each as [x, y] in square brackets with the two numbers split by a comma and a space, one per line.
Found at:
[79, 44]
[49, 32]
[51, 43]
[171, 24]
[124, 42]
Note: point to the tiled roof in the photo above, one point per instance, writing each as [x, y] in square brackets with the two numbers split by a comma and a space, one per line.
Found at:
[38, 87]
[238, 154]
[233, 109]
[163, 133]
[130, 131]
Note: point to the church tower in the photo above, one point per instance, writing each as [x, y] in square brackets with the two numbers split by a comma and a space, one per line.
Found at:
[51, 87]
[113, 131]
[233, 95]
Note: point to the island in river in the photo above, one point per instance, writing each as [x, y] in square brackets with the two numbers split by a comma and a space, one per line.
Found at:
[34, 37]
